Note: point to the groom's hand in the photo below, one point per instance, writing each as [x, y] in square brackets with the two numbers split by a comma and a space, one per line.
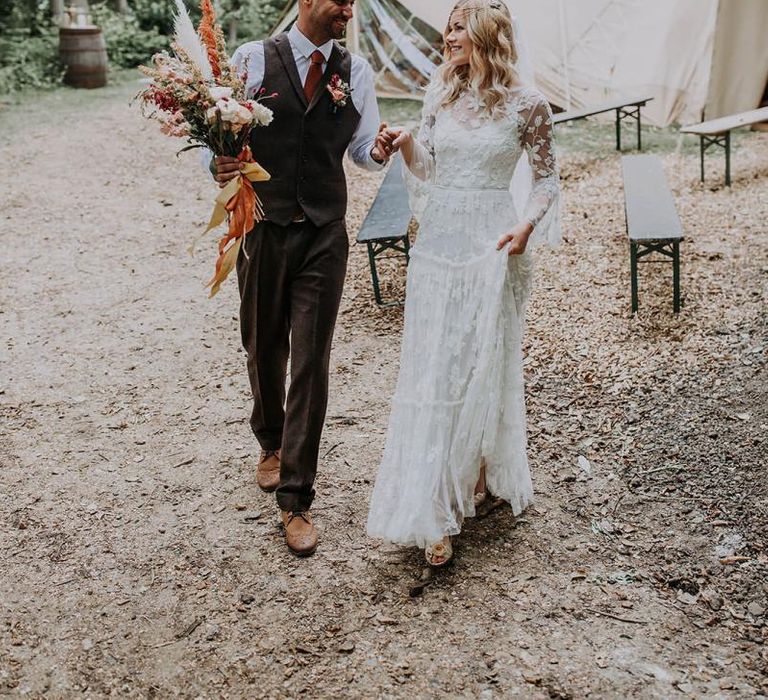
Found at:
[227, 168]
[382, 149]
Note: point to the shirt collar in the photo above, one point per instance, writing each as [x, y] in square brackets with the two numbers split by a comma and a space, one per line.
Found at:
[305, 47]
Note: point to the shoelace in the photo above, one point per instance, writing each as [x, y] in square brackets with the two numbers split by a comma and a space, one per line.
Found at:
[303, 515]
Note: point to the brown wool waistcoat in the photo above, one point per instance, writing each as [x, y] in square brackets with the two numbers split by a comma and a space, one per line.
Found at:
[303, 148]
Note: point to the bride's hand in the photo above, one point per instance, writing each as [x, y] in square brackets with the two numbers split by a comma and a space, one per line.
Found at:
[402, 138]
[517, 239]
[398, 138]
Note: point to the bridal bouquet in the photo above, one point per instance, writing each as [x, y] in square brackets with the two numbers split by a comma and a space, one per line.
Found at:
[195, 93]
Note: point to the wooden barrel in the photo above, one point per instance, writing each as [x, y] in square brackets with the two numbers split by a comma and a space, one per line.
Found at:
[83, 53]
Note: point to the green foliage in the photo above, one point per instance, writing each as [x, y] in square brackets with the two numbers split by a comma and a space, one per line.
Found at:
[254, 18]
[27, 61]
[24, 15]
[29, 40]
[29, 46]
[158, 14]
[131, 40]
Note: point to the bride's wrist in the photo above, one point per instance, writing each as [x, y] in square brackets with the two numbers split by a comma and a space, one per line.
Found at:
[527, 228]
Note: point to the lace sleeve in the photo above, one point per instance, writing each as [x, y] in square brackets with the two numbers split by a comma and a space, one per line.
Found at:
[538, 141]
[420, 172]
[542, 206]
[423, 163]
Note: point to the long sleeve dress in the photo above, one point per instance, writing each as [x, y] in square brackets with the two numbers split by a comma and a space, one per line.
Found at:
[460, 394]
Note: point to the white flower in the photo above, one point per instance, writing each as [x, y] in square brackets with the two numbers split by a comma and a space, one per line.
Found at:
[261, 115]
[220, 93]
[234, 115]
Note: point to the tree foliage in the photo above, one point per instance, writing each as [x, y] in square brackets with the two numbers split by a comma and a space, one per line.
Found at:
[29, 38]
[29, 54]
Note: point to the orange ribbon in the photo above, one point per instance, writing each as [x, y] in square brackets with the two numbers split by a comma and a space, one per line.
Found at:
[238, 203]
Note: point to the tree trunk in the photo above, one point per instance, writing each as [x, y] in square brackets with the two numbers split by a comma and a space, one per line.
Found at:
[232, 33]
[57, 10]
[122, 6]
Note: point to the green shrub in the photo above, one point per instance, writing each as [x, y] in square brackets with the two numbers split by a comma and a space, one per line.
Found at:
[128, 43]
[254, 18]
[158, 14]
[29, 46]
[29, 61]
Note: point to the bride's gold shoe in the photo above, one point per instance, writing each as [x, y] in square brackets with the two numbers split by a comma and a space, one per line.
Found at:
[481, 488]
[442, 550]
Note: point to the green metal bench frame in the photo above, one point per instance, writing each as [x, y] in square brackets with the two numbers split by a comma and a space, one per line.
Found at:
[722, 140]
[717, 133]
[378, 249]
[385, 229]
[652, 222]
[625, 110]
[667, 248]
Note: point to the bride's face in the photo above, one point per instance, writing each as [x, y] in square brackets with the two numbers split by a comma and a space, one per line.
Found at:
[457, 40]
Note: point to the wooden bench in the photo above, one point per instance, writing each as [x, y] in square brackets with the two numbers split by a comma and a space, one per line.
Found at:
[625, 109]
[652, 221]
[717, 132]
[385, 229]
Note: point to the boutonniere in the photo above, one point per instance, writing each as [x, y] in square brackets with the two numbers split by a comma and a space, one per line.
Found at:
[340, 92]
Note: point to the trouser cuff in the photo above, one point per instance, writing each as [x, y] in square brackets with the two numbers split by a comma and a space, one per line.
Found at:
[294, 503]
[269, 441]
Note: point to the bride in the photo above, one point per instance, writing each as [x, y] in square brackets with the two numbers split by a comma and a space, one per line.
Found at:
[457, 428]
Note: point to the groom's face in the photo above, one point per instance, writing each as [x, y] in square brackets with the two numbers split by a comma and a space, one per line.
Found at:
[330, 17]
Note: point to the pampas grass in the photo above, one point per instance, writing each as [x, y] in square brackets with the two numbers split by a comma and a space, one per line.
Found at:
[189, 40]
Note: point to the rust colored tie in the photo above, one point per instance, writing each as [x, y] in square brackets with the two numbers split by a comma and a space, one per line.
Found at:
[314, 75]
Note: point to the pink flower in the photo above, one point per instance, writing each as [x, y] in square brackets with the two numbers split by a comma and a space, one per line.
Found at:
[174, 125]
[339, 90]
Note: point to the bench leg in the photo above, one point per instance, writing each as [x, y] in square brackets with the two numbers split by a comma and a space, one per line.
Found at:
[618, 129]
[676, 275]
[728, 158]
[374, 274]
[639, 132]
[701, 152]
[633, 273]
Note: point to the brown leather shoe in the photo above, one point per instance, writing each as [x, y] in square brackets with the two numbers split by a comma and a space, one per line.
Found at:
[268, 471]
[300, 533]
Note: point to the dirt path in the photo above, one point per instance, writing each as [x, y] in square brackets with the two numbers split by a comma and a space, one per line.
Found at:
[139, 559]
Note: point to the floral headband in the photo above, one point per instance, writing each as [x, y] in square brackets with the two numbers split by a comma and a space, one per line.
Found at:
[493, 5]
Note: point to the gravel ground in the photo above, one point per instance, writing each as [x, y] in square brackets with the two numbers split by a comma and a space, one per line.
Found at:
[139, 558]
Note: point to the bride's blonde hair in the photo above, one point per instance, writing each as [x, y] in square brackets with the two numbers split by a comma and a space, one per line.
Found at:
[491, 72]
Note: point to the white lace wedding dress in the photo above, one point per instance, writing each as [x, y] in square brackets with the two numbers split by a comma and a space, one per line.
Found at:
[459, 394]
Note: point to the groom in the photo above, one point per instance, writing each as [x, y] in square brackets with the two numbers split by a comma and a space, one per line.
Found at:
[291, 273]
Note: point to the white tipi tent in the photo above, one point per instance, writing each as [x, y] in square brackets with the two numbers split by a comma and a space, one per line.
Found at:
[400, 45]
[698, 58]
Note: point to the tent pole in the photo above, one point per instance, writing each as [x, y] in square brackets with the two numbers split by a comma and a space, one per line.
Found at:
[353, 37]
[564, 49]
[289, 15]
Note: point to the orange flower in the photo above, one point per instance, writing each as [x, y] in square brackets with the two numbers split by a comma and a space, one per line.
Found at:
[208, 35]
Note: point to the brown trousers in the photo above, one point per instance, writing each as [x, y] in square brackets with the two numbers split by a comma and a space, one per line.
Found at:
[290, 288]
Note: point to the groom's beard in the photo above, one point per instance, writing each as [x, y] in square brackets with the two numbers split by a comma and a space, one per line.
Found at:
[336, 31]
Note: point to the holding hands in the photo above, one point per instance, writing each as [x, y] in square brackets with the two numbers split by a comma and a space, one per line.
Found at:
[389, 141]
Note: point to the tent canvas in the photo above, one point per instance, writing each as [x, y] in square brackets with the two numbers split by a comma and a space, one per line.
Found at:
[402, 49]
[700, 59]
